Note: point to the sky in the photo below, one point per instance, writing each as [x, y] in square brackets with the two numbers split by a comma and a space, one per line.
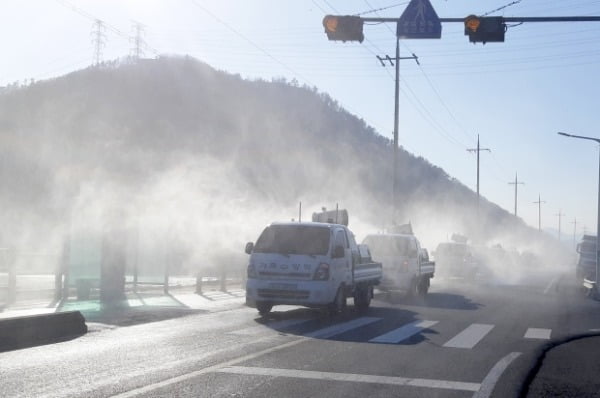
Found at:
[515, 95]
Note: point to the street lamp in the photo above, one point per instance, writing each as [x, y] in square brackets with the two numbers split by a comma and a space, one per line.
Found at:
[597, 140]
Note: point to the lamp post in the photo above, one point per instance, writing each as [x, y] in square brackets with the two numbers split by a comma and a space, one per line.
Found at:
[597, 140]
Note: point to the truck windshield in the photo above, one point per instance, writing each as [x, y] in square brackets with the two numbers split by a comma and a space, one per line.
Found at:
[451, 249]
[388, 245]
[294, 239]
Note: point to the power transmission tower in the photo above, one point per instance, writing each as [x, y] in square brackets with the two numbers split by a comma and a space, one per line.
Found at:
[516, 183]
[397, 60]
[137, 41]
[98, 40]
[478, 149]
[539, 203]
[559, 215]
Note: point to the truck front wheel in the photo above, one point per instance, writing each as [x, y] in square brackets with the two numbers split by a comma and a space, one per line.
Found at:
[264, 308]
[339, 302]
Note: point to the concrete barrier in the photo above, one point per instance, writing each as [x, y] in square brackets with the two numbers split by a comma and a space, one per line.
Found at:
[28, 331]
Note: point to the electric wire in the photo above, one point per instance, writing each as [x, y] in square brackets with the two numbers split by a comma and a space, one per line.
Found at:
[269, 55]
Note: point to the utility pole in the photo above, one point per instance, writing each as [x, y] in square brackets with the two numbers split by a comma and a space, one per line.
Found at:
[98, 40]
[396, 62]
[539, 203]
[138, 40]
[516, 183]
[574, 222]
[559, 215]
[478, 149]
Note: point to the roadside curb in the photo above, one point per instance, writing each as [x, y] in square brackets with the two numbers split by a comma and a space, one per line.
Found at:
[537, 360]
[33, 330]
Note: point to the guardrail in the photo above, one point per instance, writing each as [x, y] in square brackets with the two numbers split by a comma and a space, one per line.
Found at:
[17, 287]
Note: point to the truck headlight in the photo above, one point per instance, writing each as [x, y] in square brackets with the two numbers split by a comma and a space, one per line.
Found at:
[322, 272]
[251, 271]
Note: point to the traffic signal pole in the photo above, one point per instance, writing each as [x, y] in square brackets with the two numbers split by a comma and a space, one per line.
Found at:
[505, 19]
[482, 29]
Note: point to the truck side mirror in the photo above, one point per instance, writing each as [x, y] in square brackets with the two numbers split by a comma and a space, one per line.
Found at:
[249, 247]
[338, 252]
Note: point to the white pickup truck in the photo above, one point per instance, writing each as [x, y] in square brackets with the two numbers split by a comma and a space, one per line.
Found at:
[311, 264]
[407, 268]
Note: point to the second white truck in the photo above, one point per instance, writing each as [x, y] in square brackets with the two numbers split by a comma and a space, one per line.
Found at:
[407, 268]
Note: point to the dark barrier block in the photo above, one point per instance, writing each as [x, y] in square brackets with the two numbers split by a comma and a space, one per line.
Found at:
[27, 331]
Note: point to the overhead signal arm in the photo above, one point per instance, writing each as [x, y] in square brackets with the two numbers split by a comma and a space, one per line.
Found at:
[480, 29]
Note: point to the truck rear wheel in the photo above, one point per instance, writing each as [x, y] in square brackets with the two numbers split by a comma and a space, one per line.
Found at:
[264, 308]
[362, 297]
[423, 286]
[413, 290]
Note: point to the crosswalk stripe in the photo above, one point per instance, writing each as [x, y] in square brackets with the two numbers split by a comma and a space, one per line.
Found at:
[403, 333]
[470, 336]
[342, 327]
[535, 333]
[277, 326]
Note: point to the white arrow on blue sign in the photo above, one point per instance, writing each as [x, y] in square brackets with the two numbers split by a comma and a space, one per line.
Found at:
[419, 21]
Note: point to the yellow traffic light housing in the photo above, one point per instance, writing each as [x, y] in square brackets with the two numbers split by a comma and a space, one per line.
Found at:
[472, 23]
[344, 27]
[485, 29]
[330, 22]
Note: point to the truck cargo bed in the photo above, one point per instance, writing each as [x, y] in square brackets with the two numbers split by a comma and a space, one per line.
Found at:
[368, 272]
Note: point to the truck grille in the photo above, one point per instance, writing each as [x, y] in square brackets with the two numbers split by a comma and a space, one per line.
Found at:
[283, 294]
[288, 275]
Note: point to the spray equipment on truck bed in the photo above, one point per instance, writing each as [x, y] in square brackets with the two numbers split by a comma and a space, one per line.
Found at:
[405, 229]
[458, 238]
[337, 216]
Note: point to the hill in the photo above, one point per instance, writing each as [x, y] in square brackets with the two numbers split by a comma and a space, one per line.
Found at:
[207, 158]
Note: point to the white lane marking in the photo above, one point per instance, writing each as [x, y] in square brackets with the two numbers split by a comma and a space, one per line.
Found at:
[272, 326]
[351, 377]
[403, 333]
[470, 336]
[178, 379]
[535, 333]
[552, 282]
[594, 330]
[489, 382]
[330, 331]
[92, 387]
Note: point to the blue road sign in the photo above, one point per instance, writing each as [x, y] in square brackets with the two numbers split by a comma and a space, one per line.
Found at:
[419, 21]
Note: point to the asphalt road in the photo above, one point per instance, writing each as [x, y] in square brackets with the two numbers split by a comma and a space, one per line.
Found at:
[463, 340]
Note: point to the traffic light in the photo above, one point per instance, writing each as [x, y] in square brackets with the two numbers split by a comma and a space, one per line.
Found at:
[485, 29]
[344, 27]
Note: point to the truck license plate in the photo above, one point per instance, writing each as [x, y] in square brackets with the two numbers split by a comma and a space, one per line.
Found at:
[283, 286]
